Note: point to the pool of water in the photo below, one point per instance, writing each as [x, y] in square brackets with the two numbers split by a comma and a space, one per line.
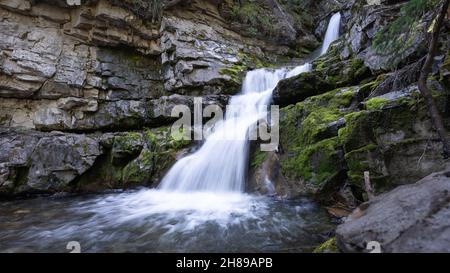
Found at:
[150, 220]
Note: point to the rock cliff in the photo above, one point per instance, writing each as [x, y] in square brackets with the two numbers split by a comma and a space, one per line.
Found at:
[74, 74]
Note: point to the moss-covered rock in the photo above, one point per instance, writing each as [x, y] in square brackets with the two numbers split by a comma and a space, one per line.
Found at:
[133, 159]
[238, 70]
[126, 146]
[313, 157]
[327, 75]
[393, 140]
[335, 137]
[314, 164]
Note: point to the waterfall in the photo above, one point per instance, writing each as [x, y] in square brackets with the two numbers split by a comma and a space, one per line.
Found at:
[332, 32]
[220, 163]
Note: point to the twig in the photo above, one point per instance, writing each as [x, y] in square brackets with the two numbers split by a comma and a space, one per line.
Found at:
[369, 189]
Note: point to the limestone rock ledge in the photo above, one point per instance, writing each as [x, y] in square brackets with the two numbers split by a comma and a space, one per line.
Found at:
[103, 66]
[34, 162]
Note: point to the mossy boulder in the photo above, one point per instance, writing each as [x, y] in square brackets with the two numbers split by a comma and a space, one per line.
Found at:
[333, 138]
[126, 146]
[325, 76]
[133, 159]
[313, 157]
[161, 147]
[393, 139]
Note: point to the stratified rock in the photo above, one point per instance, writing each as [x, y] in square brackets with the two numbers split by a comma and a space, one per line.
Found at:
[162, 108]
[61, 72]
[58, 160]
[196, 57]
[393, 139]
[410, 218]
[37, 162]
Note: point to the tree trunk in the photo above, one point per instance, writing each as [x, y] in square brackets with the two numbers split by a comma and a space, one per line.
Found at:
[425, 91]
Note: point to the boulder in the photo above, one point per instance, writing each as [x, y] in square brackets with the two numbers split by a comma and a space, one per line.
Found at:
[58, 160]
[43, 162]
[328, 73]
[411, 218]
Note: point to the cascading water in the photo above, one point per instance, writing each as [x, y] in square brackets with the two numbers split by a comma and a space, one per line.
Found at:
[332, 32]
[199, 206]
[220, 164]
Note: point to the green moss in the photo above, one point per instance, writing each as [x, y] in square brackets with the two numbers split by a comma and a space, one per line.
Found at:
[131, 141]
[258, 159]
[375, 103]
[150, 137]
[132, 174]
[328, 246]
[315, 163]
[313, 148]
[85, 147]
[319, 111]
[315, 123]
[339, 73]
[354, 161]
[351, 122]
[139, 170]
[367, 88]
[246, 61]
[235, 72]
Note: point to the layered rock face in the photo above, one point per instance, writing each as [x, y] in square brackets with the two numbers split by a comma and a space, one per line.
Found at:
[53, 62]
[74, 68]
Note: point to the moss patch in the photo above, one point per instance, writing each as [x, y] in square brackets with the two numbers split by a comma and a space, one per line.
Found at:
[375, 103]
[309, 134]
[328, 246]
[258, 159]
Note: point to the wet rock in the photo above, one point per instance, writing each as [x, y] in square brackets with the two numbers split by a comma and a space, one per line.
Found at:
[410, 218]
